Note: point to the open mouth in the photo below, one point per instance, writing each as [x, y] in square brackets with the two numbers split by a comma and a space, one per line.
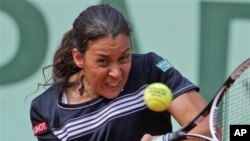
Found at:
[113, 84]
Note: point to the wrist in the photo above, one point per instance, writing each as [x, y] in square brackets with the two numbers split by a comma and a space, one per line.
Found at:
[161, 138]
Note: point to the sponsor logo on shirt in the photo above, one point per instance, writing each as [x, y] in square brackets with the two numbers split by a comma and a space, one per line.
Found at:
[164, 65]
[40, 128]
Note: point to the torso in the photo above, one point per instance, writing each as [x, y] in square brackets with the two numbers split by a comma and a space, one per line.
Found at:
[123, 118]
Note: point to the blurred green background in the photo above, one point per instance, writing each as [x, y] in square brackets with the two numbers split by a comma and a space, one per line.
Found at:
[204, 39]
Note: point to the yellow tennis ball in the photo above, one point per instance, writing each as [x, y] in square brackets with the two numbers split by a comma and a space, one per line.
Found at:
[158, 97]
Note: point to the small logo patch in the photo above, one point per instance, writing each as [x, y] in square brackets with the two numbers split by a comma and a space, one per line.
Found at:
[164, 65]
[40, 128]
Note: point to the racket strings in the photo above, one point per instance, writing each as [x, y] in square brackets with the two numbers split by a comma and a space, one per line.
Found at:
[234, 108]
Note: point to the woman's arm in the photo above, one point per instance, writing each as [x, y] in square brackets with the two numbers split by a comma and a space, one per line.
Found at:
[184, 108]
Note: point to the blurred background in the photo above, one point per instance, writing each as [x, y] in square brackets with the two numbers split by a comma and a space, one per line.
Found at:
[204, 39]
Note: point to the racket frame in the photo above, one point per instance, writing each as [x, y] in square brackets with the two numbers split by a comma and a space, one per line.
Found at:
[212, 108]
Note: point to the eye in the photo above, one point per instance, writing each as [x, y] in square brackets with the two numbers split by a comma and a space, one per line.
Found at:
[124, 58]
[102, 62]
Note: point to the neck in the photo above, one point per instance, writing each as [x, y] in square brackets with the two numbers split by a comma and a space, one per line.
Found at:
[74, 97]
[73, 94]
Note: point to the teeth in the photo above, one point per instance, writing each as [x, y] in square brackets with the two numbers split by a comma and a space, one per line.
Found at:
[112, 84]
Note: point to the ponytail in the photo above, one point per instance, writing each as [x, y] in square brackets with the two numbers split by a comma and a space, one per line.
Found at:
[63, 63]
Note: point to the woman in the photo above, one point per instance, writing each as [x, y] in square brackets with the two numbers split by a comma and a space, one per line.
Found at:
[99, 84]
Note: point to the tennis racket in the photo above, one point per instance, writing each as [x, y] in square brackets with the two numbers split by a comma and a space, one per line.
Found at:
[230, 106]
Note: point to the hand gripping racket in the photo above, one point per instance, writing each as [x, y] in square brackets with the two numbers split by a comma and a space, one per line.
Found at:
[230, 106]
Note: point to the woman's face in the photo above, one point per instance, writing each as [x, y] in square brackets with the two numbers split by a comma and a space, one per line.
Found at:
[107, 62]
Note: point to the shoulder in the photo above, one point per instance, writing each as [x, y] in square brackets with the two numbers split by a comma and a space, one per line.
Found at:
[48, 98]
[145, 59]
[43, 107]
[148, 58]
[149, 55]
[151, 61]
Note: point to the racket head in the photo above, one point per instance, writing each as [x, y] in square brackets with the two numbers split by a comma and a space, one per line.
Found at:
[218, 123]
[231, 104]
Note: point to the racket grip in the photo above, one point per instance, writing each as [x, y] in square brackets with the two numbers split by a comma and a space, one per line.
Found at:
[176, 136]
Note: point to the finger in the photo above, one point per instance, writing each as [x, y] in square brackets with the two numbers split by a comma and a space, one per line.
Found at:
[147, 137]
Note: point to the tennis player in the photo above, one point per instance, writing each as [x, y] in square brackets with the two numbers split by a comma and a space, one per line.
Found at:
[98, 86]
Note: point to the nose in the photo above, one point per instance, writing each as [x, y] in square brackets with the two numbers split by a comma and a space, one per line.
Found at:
[115, 71]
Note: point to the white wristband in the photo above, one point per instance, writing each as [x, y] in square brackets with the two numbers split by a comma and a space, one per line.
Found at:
[161, 138]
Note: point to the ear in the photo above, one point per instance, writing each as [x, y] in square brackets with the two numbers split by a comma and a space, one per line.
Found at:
[78, 58]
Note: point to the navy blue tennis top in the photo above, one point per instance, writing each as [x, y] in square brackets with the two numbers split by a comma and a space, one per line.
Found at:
[125, 118]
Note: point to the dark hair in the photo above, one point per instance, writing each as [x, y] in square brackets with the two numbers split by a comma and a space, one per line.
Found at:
[95, 22]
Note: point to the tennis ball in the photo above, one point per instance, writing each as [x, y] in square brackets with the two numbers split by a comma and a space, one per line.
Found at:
[158, 97]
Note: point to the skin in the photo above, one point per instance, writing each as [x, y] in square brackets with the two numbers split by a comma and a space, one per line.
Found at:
[106, 65]
[192, 104]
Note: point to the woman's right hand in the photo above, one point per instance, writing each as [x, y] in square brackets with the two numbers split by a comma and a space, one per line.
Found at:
[148, 137]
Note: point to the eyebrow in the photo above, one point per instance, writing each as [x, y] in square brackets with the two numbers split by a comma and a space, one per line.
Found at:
[126, 51]
[105, 55]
